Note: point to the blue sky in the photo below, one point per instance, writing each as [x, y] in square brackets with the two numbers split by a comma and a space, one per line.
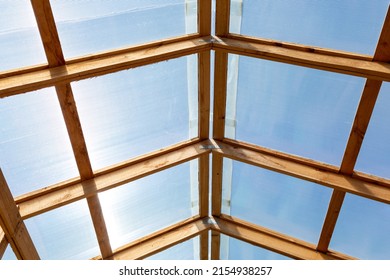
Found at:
[301, 111]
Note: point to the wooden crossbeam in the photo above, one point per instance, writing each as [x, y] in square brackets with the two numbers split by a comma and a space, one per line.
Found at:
[358, 131]
[13, 226]
[162, 240]
[344, 65]
[333, 180]
[84, 69]
[271, 240]
[204, 17]
[38, 204]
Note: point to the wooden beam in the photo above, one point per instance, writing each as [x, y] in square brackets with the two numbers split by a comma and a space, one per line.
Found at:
[333, 180]
[204, 245]
[108, 180]
[343, 65]
[204, 94]
[215, 245]
[217, 184]
[222, 17]
[162, 240]
[3, 243]
[203, 179]
[100, 66]
[271, 240]
[204, 17]
[13, 225]
[358, 131]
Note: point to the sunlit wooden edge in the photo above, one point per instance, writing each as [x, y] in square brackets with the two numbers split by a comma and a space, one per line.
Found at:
[102, 65]
[3, 243]
[271, 240]
[286, 166]
[300, 57]
[58, 197]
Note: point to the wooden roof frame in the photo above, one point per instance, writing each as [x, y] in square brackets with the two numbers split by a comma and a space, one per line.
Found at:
[60, 72]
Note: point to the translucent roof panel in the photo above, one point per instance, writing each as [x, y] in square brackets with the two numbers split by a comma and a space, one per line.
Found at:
[362, 229]
[152, 203]
[9, 254]
[234, 249]
[35, 148]
[20, 43]
[65, 233]
[82, 24]
[374, 156]
[276, 201]
[297, 110]
[345, 25]
[133, 112]
[187, 250]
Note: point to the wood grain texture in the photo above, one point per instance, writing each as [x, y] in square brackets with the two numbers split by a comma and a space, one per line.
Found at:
[204, 94]
[220, 89]
[3, 243]
[204, 17]
[222, 17]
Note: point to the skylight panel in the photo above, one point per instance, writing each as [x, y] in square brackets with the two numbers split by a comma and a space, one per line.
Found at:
[20, 43]
[65, 233]
[86, 27]
[374, 156]
[352, 26]
[140, 110]
[276, 201]
[35, 148]
[234, 249]
[187, 250]
[297, 110]
[144, 206]
[362, 229]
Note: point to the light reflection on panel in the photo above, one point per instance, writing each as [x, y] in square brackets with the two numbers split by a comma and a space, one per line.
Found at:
[276, 201]
[374, 156]
[149, 204]
[9, 254]
[20, 44]
[346, 25]
[87, 26]
[240, 250]
[133, 112]
[34, 144]
[297, 110]
[65, 233]
[362, 229]
[187, 250]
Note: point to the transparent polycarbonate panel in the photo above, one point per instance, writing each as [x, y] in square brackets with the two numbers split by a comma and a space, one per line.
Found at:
[20, 43]
[297, 110]
[276, 201]
[9, 254]
[346, 25]
[133, 112]
[149, 204]
[65, 233]
[187, 250]
[362, 229]
[374, 156]
[234, 249]
[35, 149]
[86, 26]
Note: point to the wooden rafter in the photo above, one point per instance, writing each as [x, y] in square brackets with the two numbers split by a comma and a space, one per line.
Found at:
[326, 178]
[270, 240]
[13, 226]
[358, 131]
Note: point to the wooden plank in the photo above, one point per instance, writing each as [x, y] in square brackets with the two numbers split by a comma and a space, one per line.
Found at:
[204, 245]
[222, 17]
[333, 180]
[3, 243]
[100, 66]
[63, 196]
[215, 245]
[204, 17]
[344, 65]
[332, 215]
[217, 184]
[220, 88]
[13, 225]
[382, 52]
[270, 240]
[163, 240]
[203, 179]
[204, 94]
